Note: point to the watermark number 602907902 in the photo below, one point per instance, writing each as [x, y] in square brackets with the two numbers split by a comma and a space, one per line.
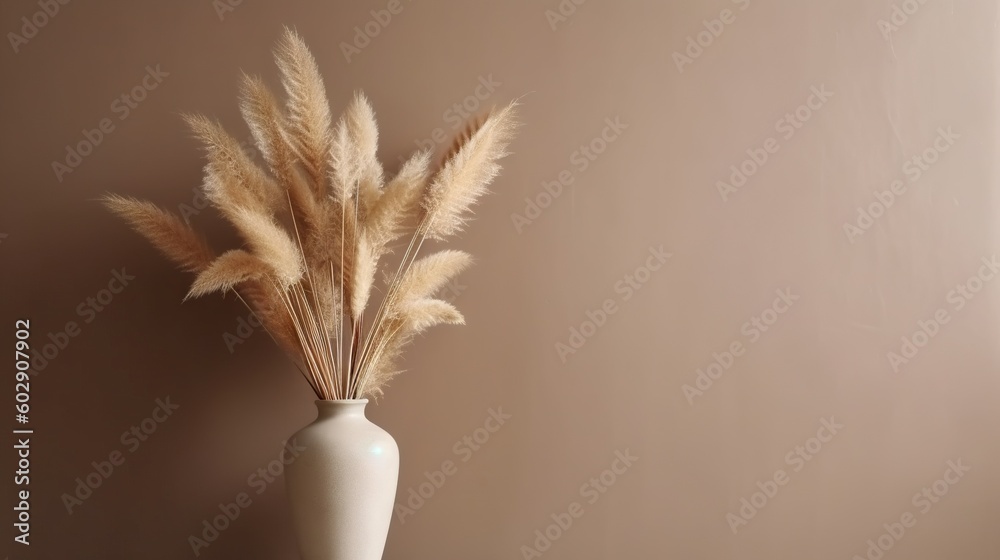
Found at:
[22, 433]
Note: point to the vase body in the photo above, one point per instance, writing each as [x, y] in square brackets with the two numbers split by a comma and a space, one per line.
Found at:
[342, 486]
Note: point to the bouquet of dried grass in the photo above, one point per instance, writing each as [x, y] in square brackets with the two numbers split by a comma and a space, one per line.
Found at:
[319, 218]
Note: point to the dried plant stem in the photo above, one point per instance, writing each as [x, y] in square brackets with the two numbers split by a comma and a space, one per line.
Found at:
[382, 346]
[307, 354]
[271, 334]
[416, 242]
[338, 328]
[316, 345]
[328, 372]
[343, 302]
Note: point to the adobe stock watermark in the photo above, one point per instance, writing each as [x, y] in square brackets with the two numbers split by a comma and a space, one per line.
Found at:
[365, 33]
[258, 481]
[132, 439]
[416, 497]
[246, 326]
[590, 492]
[32, 24]
[899, 15]
[43, 353]
[912, 170]
[752, 330]
[625, 289]
[458, 114]
[121, 106]
[927, 329]
[697, 43]
[225, 7]
[924, 501]
[786, 127]
[198, 203]
[795, 460]
[450, 291]
[562, 12]
[579, 161]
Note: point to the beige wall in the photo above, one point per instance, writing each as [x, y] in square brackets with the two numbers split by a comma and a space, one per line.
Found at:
[655, 185]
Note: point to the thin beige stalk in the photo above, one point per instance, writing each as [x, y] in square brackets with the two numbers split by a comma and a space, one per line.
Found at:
[316, 304]
[391, 291]
[271, 334]
[306, 354]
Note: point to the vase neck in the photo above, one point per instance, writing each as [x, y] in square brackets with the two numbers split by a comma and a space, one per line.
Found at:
[340, 408]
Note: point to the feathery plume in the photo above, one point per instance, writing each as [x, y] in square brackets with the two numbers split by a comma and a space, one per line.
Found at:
[272, 244]
[165, 231]
[428, 312]
[431, 273]
[231, 178]
[466, 176]
[386, 216]
[230, 269]
[353, 156]
[308, 109]
[362, 276]
[263, 115]
[463, 137]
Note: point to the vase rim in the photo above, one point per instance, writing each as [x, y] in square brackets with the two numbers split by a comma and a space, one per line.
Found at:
[340, 407]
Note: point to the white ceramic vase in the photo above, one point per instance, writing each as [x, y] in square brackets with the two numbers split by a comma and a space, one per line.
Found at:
[342, 486]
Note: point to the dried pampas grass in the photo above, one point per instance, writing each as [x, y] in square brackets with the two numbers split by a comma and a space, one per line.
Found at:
[465, 176]
[317, 219]
[165, 231]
